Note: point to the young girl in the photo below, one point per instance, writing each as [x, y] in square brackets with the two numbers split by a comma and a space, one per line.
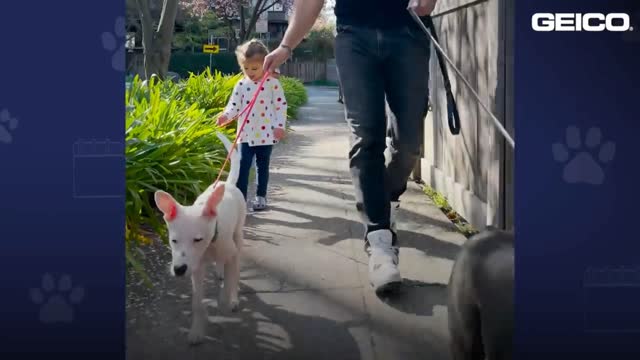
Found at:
[265, 126]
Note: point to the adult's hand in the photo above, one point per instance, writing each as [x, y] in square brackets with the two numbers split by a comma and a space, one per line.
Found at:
[422, 7]
[274, 59]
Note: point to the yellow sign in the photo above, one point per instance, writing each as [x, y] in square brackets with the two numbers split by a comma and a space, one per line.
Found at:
[211, 49]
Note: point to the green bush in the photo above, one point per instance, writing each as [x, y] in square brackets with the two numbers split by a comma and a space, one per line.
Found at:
[295, 93]
[169, 146]
[210, 92]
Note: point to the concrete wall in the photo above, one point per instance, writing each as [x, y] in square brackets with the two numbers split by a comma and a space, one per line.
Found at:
[473, 169]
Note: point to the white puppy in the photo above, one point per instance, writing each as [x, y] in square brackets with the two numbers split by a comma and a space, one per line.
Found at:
[209, 231]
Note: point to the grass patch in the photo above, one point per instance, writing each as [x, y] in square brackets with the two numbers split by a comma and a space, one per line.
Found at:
[442, 203]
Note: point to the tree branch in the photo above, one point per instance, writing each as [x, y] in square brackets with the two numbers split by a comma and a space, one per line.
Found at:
[267, 8]
[254, 17]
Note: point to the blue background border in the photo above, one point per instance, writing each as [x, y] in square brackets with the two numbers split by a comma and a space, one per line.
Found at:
[60, 84]
[572, 240]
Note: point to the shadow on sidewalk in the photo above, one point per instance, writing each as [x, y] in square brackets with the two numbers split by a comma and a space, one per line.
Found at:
[418, 297]
[345, 228]
[264, 328]
[289, 157]
[271, 324]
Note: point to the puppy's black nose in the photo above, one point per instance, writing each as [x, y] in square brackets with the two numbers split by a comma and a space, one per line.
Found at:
[180, 270]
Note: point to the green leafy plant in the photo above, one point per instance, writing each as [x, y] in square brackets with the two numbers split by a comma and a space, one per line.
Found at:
[295, 93]
[207, 91]
[170, 146]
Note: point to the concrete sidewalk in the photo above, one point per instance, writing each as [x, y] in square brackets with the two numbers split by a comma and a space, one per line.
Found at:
[305, 291]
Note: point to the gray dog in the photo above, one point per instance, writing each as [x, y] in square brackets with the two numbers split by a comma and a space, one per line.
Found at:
[481, 298]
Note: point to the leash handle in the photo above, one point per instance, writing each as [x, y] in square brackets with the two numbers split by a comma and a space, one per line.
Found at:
[247, 109]
[453, 117]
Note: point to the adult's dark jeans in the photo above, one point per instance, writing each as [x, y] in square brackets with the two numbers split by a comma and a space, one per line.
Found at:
[384, 75]
[262, 154]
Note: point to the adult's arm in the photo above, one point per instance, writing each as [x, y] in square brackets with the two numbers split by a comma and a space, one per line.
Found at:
[304, 16]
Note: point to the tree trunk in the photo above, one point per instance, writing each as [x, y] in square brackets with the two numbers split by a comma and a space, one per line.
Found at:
[257, 11]
[243, 34]
[157, 43]
[233, 40]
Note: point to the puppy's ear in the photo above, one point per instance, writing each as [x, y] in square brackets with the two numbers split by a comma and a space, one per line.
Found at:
[167, 204]
[212, 202]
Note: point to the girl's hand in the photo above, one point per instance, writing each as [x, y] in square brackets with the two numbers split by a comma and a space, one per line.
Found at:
[279, 133]
[222, 120]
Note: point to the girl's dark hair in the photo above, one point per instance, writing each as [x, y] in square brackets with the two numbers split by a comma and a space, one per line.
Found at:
[250, 49]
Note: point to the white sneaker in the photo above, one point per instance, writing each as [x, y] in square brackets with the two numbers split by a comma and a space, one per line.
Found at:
[393, 215]
[384, 275]
[260, 203]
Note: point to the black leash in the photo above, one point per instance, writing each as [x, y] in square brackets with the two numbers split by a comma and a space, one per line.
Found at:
[452, 108]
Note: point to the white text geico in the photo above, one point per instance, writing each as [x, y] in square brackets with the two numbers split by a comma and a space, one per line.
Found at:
[581, 22]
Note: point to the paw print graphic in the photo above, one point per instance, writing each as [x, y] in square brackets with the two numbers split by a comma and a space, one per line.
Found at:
[115, 44]
[583, 159]
[56, 299]
[7, 125]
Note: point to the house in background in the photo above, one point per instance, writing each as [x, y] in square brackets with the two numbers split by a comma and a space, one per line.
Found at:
[272, 24]
[278, 21]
